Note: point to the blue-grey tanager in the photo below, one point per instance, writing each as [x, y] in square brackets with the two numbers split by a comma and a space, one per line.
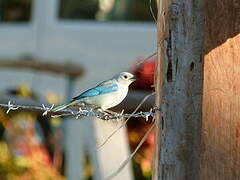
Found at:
[105, 95]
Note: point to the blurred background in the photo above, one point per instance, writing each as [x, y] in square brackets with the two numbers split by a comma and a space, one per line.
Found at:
[52, 50]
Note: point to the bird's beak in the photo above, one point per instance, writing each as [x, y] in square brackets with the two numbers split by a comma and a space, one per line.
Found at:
[133, 78]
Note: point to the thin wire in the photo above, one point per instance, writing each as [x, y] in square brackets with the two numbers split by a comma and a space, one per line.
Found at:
[145, 59]
[132, 154]
[125, 122]
[86, 111]
[152, 13]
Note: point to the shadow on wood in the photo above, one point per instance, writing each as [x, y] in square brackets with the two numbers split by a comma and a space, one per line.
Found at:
[220, 155]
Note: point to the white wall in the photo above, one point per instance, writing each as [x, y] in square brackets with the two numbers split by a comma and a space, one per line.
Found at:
[102, 48]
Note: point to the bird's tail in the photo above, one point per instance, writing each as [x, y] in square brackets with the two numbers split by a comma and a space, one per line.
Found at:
[61, 107]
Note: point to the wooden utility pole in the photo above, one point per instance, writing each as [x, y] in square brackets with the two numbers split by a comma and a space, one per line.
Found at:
[220, 155]
[179, 89]
[198, 89]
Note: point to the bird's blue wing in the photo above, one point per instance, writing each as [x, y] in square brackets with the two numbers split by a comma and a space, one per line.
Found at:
[98, 90]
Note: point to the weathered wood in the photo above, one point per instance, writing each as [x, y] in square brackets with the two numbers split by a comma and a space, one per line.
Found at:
[182, 93]
[67, 68]
[162, 34]
[221, 113]
[220, 157]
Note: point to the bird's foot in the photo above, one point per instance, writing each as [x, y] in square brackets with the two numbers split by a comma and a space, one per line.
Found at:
[110, 112]
[105, 112]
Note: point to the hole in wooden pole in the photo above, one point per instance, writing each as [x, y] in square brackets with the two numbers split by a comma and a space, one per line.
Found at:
[192, 66]
[169, 72]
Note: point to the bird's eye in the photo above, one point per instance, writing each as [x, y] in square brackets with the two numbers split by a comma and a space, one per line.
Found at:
[125, 76]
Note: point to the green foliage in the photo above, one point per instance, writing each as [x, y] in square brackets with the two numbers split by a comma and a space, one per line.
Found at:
[9, 166]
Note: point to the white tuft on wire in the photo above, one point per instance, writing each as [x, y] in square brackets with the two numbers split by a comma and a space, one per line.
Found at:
[47, 109]
[11, 107]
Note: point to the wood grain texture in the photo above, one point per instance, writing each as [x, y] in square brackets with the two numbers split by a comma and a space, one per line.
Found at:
[220, 156]
[182, 93]
[221, 112]
[208, 31]
[162, 34]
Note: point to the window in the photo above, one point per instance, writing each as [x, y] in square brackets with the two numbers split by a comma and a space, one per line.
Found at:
[107, 10]
[15, 10]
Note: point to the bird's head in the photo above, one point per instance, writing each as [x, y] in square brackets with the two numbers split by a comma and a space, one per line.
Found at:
[125, 78]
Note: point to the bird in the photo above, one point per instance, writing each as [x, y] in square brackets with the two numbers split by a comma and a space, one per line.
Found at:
[105, 95]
